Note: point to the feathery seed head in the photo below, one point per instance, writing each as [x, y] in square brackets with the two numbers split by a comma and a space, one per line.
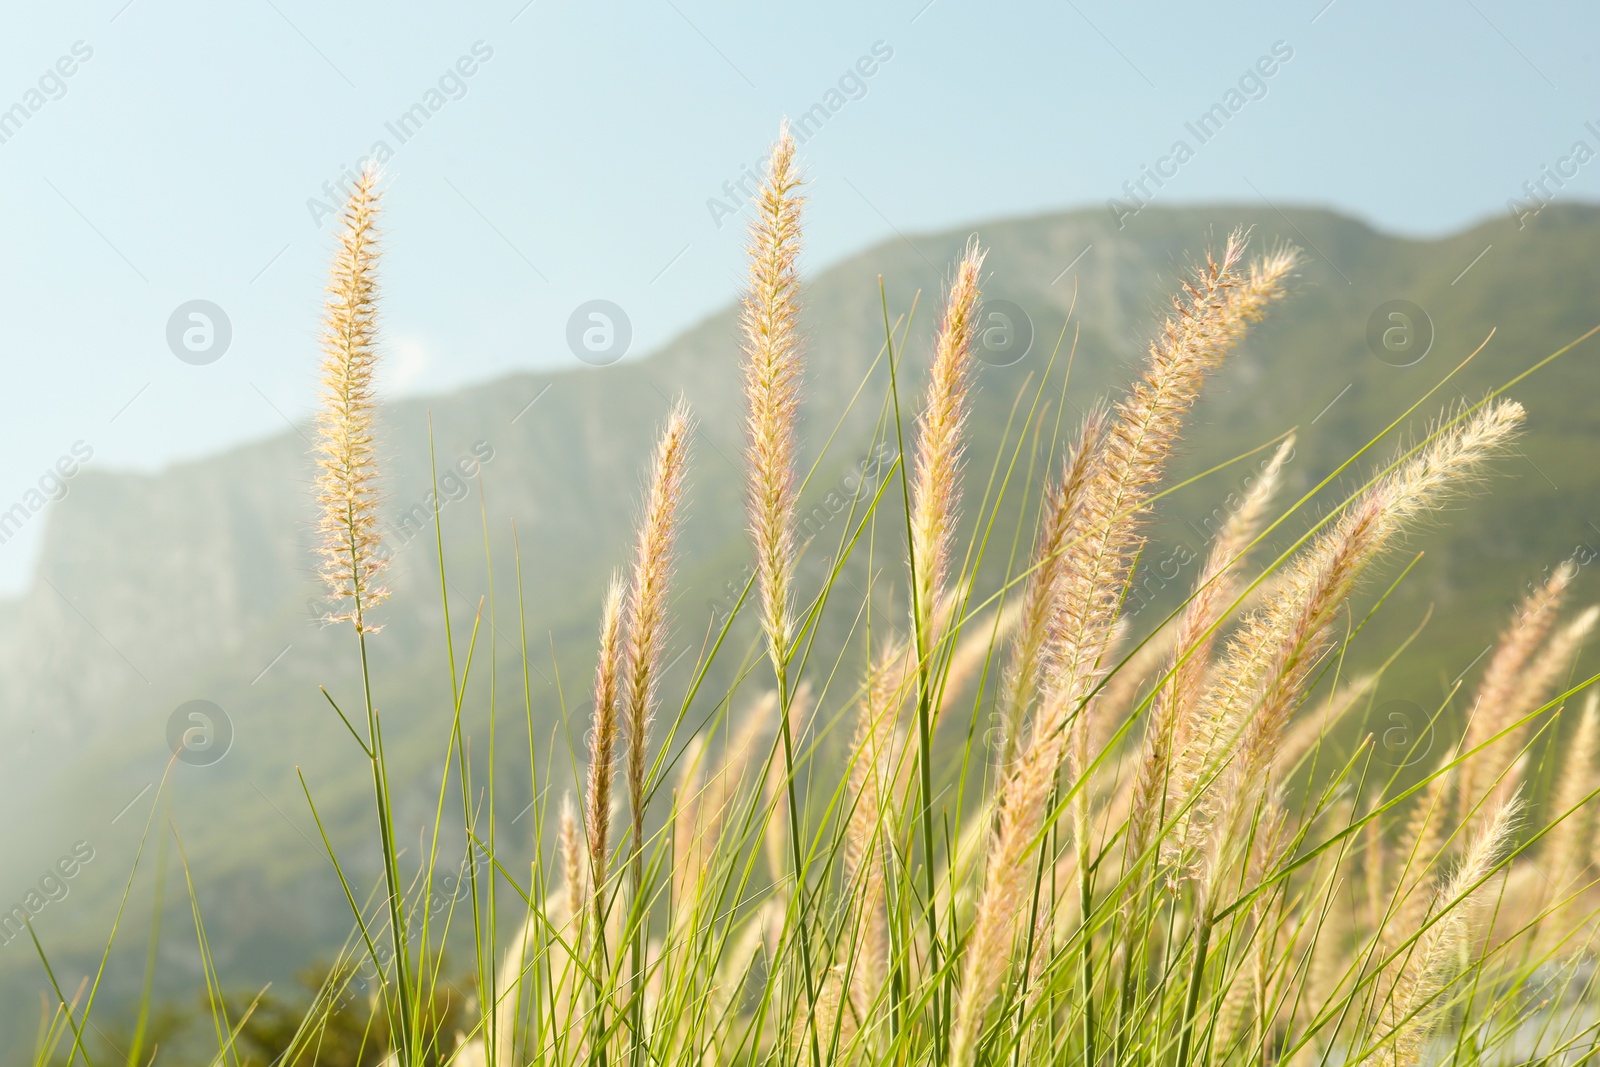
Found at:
[1264, 673]
[686, 830]
[1570, 841]
[603, 733]
[1534, 684]
[1038, 597]
[572, 866]
[1451, 462]
[1209, 317]
[1168, 742]
[346, 489]
[647, 600]
[936, 485]
[772, 371]
[1501, 691]
[1410, 1010]
[706, 797]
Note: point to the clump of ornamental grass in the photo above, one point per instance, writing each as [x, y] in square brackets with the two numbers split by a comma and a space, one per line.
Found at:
[1010, 824]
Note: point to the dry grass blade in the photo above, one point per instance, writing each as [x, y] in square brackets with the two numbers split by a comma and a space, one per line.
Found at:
[1538, 681]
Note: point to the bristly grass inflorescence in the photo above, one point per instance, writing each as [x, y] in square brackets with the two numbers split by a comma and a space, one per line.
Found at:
[347, 492]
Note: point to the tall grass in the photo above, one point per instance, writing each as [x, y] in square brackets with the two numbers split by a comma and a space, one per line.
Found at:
[1154, 858]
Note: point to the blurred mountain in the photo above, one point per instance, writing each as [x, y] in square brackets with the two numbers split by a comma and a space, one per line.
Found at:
[198, 583]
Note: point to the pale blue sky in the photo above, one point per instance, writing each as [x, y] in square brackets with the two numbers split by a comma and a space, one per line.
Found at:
[176, 163]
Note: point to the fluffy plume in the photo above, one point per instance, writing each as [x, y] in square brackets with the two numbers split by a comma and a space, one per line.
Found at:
[1210, 316]
[647, 613]
[1569, 842]
[685, 824]
[972, 653]
[352, 560]
[771, 379]
[936, 483]
[1374, 870]
[1494, 707]
[1538, 681]
[1172, 724]
[1406, 1015]
[1038, 596]
[831, 1018]
[873, 772]
[574, 867]
[603, 739]
[1421, 842]
[1263, 675]
[705, 798]
[1117, 698]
